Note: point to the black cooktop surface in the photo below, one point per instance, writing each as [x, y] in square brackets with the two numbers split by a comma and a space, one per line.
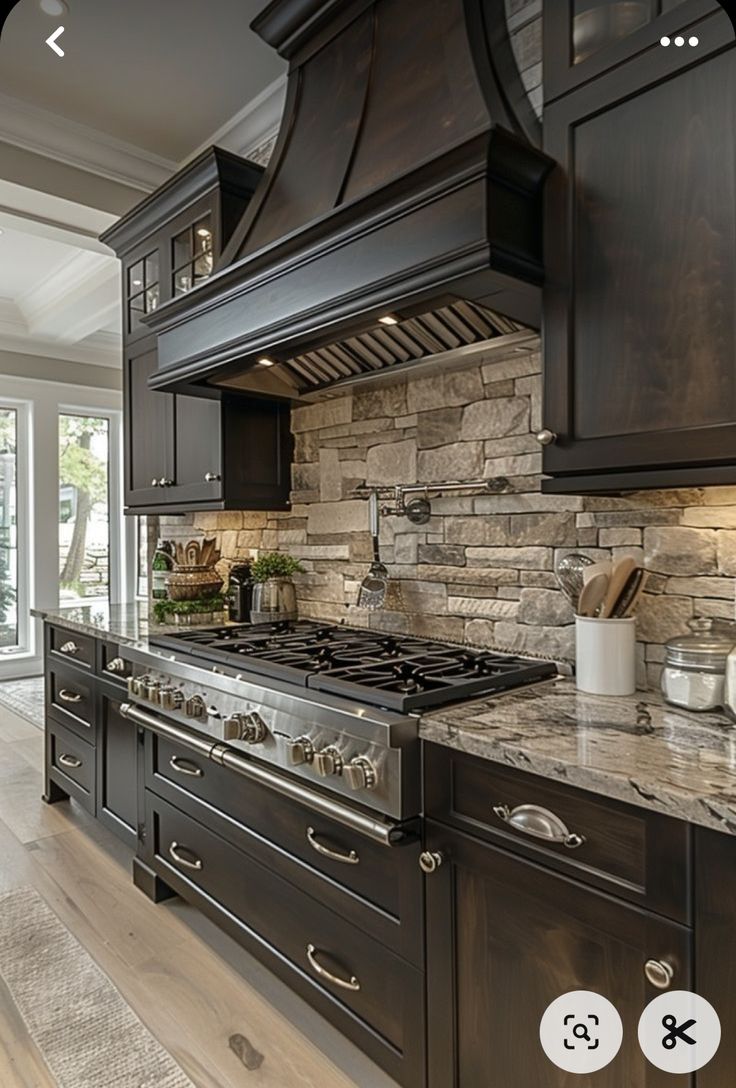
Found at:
[398, 672]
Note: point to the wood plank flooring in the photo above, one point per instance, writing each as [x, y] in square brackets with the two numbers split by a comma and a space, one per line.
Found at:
[189, 983]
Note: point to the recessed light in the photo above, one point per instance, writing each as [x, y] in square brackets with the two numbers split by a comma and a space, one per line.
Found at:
[265, 361]
[54, 7]
[137, 283]
[388, 319]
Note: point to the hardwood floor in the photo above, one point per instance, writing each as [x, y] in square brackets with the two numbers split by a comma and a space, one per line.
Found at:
[190, 984]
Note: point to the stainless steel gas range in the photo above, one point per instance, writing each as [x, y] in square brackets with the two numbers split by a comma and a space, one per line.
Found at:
[324, 714]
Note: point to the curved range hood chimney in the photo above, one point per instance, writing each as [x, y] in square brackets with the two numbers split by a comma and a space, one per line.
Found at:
[399, 218]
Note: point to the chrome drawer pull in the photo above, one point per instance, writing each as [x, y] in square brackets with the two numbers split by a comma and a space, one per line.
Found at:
[116, 665]
[344, 983]
[67, 696]
[69, 647]
[212, 477]
[69, 761]
[334, 855]
[183, 766]
[173, 851]
[540, 823]
[659, 973]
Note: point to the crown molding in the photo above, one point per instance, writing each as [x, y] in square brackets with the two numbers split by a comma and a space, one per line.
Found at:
[74, 301]
[48, 134]
[99, 349]
[249, 128]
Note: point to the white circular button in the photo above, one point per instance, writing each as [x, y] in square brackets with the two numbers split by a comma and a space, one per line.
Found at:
[581, 1032]
[679, 1031]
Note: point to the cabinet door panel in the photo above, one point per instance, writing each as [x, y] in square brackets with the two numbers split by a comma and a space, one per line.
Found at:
[198, 449]
[117, 764]
[149, 430]
[640, 309]
[511, 939]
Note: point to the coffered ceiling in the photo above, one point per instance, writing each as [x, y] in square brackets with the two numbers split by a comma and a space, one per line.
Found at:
[142, 87]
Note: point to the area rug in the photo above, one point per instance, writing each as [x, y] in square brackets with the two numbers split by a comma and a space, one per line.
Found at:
[88, 1035]
[24, 697]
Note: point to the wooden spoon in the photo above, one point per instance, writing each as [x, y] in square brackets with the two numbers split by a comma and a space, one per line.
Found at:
[603, 566]
[620, 574]
[592, 595]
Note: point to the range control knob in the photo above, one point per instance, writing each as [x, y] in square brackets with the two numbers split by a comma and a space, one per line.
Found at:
[300, 750]
[233, 726]
[170, 698]
[150, 690]
[360, 774]
[255, 729]
[328, 761]
[195, 707]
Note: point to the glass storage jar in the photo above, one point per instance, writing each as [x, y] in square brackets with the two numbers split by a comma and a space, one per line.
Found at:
[694, 673]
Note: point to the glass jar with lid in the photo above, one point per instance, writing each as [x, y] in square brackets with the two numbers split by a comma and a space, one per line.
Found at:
[694, 675]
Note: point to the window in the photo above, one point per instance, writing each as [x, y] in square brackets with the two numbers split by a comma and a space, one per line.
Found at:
[84, 508]
[9, 633]
[141, 577]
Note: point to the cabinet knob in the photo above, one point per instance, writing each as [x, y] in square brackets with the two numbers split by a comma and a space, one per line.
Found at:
[545, 437]
[155, 483]
[659, 973]
[430, 861]
[165, 482]
[212, 477]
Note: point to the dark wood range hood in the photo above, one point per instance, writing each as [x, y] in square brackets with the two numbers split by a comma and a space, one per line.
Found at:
[399, 218]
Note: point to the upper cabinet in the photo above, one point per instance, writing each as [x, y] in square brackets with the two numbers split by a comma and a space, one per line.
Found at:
[183, 452]
[640, 247]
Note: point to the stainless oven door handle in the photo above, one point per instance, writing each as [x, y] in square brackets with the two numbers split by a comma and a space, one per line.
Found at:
[343, 983]
[183, 766]
[334, 855]
[67, 696]
[174, 849]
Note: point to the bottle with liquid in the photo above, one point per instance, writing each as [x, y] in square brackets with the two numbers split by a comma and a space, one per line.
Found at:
[160, 568]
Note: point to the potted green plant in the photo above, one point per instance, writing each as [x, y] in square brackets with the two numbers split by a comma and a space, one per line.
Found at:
[274, 595]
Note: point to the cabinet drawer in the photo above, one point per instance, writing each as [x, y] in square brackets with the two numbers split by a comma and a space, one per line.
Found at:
[70, 646]
[70, 699]
[337, 959]
[113, 664]
[631, 852]
[373, 872]
[72, 764]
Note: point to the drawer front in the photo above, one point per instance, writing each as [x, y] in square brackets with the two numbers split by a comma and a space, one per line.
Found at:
[70, 646]
[113, 664]
[72, 764]
[340, 960]
[70, 699]
[635, 854]
[366, 868]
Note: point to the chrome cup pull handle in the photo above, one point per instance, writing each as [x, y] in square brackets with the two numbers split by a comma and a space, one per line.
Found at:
[183, 766]
[69, 761]
[174, 849]
[116, 665]
[67, 696]
[334, 855]
[343, 983]
[69, 647]
[539, 823]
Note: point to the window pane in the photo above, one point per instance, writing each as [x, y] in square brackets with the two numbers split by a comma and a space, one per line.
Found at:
[84, 509]
[141, 580]
[8, 530]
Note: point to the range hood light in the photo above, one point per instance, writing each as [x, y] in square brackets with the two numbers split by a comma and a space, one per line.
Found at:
[388, 319]
[265, 361]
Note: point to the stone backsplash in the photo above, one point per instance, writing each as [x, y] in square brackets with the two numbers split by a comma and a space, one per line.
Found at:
[481, 571]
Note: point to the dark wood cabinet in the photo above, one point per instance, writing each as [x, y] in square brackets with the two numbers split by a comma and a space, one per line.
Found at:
[176, 445]
[117, 760]
[640, 252]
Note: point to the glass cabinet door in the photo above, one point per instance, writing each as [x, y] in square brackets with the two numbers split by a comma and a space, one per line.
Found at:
[597, 24]
[142, 289]
[191, 255]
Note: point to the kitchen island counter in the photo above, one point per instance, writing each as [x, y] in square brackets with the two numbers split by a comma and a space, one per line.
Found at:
[129, 624]
[636, 749]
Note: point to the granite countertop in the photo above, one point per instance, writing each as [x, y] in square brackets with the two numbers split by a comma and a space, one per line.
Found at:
[128, 624]
[636, 748]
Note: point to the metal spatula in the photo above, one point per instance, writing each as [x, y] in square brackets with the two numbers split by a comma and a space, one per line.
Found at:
[372, 593]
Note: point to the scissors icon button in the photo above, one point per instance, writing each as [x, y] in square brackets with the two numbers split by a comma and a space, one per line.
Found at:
[676, 1031]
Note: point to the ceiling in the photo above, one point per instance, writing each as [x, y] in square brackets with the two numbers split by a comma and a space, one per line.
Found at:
[143, 86]
[162, 75]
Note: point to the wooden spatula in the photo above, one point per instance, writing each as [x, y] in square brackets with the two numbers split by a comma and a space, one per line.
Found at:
[592, 595]
[620, 574]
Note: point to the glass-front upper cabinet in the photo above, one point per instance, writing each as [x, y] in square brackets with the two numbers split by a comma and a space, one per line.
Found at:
[584, 38]
[142, 288]
[191, 255]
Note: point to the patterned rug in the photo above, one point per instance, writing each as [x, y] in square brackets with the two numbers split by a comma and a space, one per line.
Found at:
[88, 1035]
[25, 697]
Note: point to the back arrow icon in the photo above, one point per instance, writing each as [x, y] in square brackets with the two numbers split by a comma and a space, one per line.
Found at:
[51, 42]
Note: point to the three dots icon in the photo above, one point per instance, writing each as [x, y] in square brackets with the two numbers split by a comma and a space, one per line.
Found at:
[679, 41]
